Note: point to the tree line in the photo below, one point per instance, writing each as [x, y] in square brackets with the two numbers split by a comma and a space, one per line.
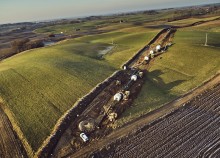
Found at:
[20, 45]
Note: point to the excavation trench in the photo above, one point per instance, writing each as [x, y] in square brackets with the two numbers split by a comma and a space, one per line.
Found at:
[70, 142]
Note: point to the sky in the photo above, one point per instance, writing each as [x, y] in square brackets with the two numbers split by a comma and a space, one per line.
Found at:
[12, 11]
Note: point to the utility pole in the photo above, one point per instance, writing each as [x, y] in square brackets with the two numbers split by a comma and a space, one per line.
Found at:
[206, 40]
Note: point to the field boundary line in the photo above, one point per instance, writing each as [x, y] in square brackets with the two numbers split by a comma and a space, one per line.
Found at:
[195, 23]
[17, 129]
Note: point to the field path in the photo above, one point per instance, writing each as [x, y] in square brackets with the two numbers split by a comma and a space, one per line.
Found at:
[146, 119]
[10, 145]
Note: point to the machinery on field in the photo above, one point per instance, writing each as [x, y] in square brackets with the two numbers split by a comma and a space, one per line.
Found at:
[112, 108]
[123, 88]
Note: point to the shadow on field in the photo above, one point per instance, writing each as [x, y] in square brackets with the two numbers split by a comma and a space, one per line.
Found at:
[217, 45]
[158, 26]
[138, 23]
[154, 77]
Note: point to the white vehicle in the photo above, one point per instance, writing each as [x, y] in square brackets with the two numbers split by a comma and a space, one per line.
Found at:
[84, 137]
[146, 58]
[151, 52]
[158, 47]
[118, 96]
[134, 77]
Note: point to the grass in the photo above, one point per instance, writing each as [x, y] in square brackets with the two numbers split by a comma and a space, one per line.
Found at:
[109, 23]
[208, 27]
[191, 20]
[185, 66]
[39, 86]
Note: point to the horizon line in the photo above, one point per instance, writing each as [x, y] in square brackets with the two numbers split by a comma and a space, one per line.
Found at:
[104, 14]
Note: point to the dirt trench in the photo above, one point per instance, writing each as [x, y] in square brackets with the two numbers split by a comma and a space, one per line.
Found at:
[189, 123]
[70, 142]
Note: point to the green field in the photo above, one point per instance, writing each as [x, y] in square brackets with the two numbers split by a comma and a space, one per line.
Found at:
[39, 85]
[191, 20]
[112, 23]
[107, 24]
[186, 65]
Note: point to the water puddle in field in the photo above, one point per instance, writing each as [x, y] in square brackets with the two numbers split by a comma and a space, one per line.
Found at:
[48, 43]
[105, 51]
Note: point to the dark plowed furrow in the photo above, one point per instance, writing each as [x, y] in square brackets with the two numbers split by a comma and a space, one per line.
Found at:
[181, 136]
[190, 131]
[204, 143]
[183, 147]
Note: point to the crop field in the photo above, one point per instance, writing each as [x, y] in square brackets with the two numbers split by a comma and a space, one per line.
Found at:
[108, 24]
[96, 109]
[138, 21]
[209, 27]
[8, 137]
[39, 94]
[186, 65]
[40, 85]
[190, 131]
[191, 20]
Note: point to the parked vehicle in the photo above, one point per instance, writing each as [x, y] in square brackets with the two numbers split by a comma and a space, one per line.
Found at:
[84, 137]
